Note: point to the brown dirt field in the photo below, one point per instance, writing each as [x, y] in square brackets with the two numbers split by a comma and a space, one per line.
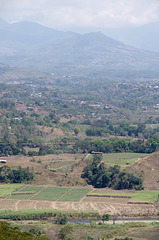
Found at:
[148, 167]
[106, 200]
[111, 208]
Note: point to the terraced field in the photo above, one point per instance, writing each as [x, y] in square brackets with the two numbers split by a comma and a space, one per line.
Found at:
[50, 193]
[6, 189]
[63, 198]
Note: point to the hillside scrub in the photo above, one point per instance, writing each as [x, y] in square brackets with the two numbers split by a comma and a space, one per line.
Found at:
[9, 233]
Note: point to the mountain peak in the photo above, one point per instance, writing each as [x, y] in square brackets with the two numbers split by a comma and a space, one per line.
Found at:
[33, 45]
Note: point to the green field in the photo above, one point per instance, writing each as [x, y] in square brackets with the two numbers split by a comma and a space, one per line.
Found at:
[138, 196]
[6, 189]
[68, 194]
[27, 189]
[32, 189]
[76, 194]
[121, 159]
[51, 194]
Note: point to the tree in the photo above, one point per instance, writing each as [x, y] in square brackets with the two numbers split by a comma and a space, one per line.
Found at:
[105, 217]
[61, 219]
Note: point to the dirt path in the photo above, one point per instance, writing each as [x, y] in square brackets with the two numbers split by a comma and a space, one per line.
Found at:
[16, 205]
[86, 156]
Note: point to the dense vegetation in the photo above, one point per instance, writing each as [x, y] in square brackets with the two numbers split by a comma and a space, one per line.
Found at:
[9, 233]
[12, 175]
[99, 176]
[117, 145]
[58, 116]
[42, 214]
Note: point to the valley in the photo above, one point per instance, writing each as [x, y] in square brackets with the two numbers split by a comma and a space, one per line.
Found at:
[79, 134]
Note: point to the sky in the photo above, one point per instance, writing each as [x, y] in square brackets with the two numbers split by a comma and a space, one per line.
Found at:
[72, 14]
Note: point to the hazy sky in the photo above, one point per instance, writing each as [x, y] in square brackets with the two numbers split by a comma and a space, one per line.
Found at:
[81, 13]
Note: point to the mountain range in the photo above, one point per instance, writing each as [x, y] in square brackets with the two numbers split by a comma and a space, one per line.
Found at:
[34, 46]
[143, 37]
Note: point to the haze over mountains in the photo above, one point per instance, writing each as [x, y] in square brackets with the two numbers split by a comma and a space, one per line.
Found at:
[31, 45]
[144, 37]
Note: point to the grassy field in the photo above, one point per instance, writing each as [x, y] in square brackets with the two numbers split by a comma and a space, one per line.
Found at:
[31, 189]
[76, 194]
[6, 189]
[122, 159]
[138, 196]
[70, 194]
[51, 194]
[27, 189]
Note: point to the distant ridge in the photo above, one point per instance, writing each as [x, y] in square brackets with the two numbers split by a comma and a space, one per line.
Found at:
[31, 45]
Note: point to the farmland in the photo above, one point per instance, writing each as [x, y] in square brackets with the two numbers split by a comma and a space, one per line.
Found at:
[50, 193]
[55, 190]
[76, 194]
[6, 189]
[122, 159]
[138, 196]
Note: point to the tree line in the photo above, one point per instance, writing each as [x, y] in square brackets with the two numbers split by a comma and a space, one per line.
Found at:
[98, 175]
[12, 175]
[114, 145]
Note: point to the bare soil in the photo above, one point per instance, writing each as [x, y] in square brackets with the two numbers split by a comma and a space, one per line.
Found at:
[148, 168]
[120, 208]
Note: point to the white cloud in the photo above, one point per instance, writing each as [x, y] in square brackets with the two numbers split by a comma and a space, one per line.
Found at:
[81, 13]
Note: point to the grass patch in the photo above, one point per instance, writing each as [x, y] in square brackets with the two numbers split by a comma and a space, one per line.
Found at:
[27, 189]
[51, 194]
[6, 189]
[138, 196]
[122, 159]
[27, 149]
[58, 168]
[76, 194]
[32, 189]
[145, 196]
